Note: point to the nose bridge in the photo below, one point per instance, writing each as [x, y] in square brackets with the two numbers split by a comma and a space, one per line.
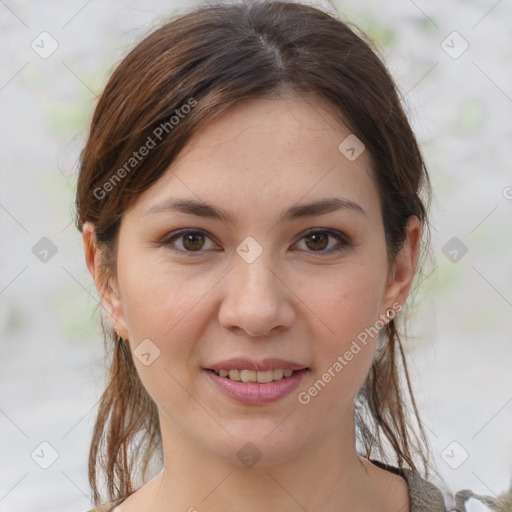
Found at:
[255, 281]
[252, 263]
[255, 299]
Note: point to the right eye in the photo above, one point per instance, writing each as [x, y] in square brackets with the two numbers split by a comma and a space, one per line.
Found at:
[189, 240]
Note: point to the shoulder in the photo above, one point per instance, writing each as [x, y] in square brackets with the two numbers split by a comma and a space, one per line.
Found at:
[107, 507]
[471, 502]
[423, 495]
[426, 497]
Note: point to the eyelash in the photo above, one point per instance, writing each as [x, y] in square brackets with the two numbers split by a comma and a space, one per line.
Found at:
[344, 243]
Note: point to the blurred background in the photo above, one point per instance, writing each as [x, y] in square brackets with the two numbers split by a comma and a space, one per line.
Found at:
[453, 63]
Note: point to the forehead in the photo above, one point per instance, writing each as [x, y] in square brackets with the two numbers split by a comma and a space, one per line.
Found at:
[268, 153]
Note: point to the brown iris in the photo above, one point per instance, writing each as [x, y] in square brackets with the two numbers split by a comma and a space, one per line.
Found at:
[320, 240]
[193, 241]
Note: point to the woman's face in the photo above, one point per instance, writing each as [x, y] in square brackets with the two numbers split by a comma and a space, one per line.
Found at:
[263, 274]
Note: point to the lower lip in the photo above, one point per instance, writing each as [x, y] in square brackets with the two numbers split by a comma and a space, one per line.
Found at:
[253, 393]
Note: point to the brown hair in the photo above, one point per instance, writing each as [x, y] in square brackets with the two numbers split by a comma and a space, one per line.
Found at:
[210, 59]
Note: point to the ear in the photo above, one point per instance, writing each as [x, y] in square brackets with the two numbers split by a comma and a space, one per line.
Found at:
[401, 276]
[105, 284]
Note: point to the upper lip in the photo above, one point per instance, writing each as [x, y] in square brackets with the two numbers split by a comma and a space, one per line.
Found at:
[242, 363]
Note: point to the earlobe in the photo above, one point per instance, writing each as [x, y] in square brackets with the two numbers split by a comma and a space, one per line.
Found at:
[105, 283]
[402, 275]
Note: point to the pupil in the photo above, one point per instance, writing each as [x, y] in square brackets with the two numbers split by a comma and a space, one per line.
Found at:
[192, 238]
[318, 238]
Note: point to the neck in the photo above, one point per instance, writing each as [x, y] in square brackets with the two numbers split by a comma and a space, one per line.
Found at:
[326, 475]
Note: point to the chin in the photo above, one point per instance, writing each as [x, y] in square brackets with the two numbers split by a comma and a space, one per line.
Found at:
[258, 449]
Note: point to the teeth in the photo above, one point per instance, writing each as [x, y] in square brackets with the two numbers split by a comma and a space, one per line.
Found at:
[254, 376]
[249, 375]
[278, 374]
[234, 374]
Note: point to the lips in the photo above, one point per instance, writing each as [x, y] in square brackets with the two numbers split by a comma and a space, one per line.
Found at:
[242, 363]
[256, 393]
[262, 377]
[253, 382]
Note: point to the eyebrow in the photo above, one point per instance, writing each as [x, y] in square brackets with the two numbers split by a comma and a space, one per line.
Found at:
[203, 209]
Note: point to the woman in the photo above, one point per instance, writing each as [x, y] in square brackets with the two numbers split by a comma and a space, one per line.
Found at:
[250, 203]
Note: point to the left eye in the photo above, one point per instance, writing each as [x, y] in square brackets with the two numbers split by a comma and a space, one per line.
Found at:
[193, 241]
[318, 241]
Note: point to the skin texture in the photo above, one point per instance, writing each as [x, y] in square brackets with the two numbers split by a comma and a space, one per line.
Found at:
[256, 161]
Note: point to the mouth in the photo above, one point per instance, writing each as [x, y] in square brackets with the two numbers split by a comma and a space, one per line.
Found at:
[261, 377]
[264, 383]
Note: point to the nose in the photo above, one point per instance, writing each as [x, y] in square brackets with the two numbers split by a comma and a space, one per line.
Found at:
[256, 299]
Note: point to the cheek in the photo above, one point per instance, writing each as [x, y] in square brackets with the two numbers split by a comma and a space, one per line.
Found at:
[167, 307]
[347, 306]
[347, 301]
[345, 350]
[159, 300]
[172, 309]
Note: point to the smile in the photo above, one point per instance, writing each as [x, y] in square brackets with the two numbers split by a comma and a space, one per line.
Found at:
[261, 377]
[256, 387]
